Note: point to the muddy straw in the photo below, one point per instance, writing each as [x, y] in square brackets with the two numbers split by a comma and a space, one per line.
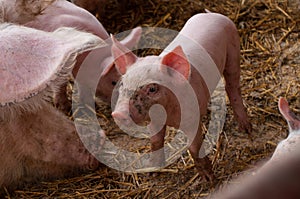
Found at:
[270, 57]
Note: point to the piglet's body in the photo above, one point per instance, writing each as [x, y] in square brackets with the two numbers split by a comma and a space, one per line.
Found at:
[279, 177]
[38, 141]
[61, 13]
[209, 37]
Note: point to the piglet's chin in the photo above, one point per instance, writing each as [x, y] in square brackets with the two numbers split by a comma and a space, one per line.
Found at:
[141, 122]
[139, 119]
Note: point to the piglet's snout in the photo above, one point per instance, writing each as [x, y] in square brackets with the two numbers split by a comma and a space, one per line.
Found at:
[118, 115]
[121, 115]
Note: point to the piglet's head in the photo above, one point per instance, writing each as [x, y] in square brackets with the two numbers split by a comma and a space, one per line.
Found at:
[139, 89]
[175, 60]
[110, 76]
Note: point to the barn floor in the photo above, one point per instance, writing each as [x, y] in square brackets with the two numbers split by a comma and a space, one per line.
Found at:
[270, 56]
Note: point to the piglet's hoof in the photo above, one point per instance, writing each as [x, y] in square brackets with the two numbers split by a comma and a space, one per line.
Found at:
[207, 176]
[204, 168]
[245, 127]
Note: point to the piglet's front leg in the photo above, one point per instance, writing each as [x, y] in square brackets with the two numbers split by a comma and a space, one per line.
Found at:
[203, 165]
[204, 169]
[157, 142]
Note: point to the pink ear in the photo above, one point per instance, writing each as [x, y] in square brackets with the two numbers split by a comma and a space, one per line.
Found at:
[177, 60]
[291, 118]
[284, 108]
[107, 69]
[123, 57]
[108, 65]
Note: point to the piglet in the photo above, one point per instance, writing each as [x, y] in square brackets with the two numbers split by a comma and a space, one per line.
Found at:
[38, 142]
[208, 40]
[279, 177]
[48, 16]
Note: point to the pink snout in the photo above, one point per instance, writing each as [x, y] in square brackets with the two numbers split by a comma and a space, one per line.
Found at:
[127, 119]
[128, 115]
[121, 117]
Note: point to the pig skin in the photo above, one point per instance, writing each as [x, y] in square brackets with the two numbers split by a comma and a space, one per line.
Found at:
[36, 140]
[41, 145]
[218, 36]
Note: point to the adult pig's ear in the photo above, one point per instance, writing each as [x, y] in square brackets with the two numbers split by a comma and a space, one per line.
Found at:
[123, 57]
[176, 59]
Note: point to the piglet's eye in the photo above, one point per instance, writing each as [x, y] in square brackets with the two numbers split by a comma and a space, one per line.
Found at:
[113, 83]
[153, 88]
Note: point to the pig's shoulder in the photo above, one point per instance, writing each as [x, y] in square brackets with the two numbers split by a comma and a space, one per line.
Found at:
[211, 18]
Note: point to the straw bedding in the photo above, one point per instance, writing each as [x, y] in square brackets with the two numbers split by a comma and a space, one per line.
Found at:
[270, 56]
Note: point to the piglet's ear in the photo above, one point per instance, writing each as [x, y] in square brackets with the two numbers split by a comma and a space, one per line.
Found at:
[291, 118]
[108, 65]
[177, 60]
[123, 57]
[284, 108]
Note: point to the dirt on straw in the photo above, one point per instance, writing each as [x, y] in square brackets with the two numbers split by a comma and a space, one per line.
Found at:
[270, 56]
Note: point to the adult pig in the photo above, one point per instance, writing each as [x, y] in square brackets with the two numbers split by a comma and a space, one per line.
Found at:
[36, 140]
[279, 177]
[210, 37]
[47, 16]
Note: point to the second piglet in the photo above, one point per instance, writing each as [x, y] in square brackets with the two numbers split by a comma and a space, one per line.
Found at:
[50, 15]
[211, 37]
